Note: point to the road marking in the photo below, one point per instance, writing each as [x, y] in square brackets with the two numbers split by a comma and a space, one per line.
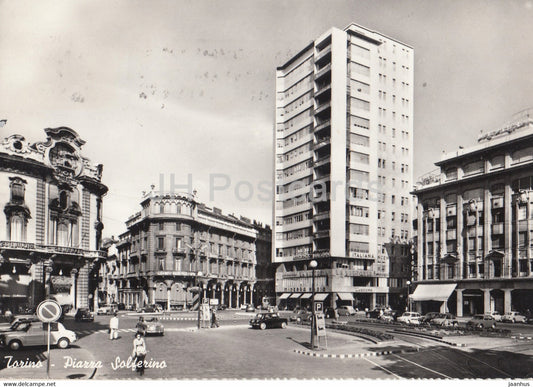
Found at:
[383, 368]
[421, 366]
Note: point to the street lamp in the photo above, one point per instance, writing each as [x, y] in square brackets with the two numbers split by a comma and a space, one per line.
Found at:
[200, 294]
[408, 283]
[313, 264]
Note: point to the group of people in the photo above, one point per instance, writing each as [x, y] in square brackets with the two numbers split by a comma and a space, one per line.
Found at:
[139, 351]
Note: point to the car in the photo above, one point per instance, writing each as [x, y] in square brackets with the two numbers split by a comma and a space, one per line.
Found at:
[411, 318]
[106, 309]
[268, 320]
[346, 310]
[29, 334]
[150, 309]
[428, 317]
[495, 314]
[222, 307]
[514, 317]
[389, 316]
[374, 313]
[250, 309]
[481, 321]
[7, 327]
[445, 320]
[84, 314]
[150, 326]
[300, 315]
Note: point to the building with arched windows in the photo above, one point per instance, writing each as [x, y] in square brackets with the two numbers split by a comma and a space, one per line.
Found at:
[474, 226]
[52, 220]
[175, 245]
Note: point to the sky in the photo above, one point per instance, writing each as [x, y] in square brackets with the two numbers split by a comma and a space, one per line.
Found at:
[168, 91]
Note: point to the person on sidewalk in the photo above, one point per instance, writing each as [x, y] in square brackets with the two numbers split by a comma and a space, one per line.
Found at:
[140, 325]
[113, 327]
[139, 353]
[214, 320]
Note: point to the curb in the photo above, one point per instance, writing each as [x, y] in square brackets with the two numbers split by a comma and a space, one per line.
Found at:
[351, 355]
[429, 337]
[522, 337]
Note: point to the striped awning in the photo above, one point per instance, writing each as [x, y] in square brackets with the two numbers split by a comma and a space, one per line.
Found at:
[345, 296]
[306, 296]
[321, 296]
[284, 296]
[295, 295]
[426, 292]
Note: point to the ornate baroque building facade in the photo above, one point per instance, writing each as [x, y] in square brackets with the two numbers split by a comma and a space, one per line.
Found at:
[175, 244]
[52, 208]
[474, 226]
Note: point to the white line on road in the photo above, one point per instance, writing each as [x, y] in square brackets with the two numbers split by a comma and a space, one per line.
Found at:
[383, 368]
[421, 366]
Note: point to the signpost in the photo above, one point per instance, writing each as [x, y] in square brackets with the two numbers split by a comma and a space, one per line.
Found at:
[48, 311]
[320, 331]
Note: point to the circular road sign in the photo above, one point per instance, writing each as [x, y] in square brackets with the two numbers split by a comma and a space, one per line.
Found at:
[48, 311]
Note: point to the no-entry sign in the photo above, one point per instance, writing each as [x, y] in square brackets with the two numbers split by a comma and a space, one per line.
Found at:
[49, 311]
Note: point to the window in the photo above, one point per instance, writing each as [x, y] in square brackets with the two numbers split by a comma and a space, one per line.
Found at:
[160, 243]
[178, 226]
[161, 226]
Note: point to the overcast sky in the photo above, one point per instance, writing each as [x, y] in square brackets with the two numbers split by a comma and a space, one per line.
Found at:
[187, 87]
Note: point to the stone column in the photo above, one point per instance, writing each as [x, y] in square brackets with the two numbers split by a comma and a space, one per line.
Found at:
[459, 294]
[238, 295]
[486, 300]
[169, 284]
[443, 228]
[73, 276]
[507, 298]
[373, 301]
[507, 229]
[253, 301]
[528, 238]
[222, 291]
[230, 295]
[245, 291]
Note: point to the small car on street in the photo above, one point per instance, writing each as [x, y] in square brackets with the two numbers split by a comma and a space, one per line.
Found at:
[495, 314]
[411, 318]
[389, 316]
[151, 326]
[300, 315]
[250, 309]
[268, 320]
[331, 313]
[150, 309]
[445, 320]
[84, 314]
[107, 309]
[481, 321]
[426, 319]
[514, 317]
[6, 327]
[346, 310]
[29, 334]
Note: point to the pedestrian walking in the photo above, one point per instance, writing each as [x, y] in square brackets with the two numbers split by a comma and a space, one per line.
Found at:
[214, 320]
[140, 325]
[139, 353]
[113, 327]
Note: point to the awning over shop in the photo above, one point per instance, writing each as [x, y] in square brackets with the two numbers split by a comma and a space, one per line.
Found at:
[345, 296]
[426, 292]
[306, 296]
[284, 296]
[295, 295]
[321, 296]
[62, 298]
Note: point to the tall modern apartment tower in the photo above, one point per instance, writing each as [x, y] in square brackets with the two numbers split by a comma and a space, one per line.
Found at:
[344, 151]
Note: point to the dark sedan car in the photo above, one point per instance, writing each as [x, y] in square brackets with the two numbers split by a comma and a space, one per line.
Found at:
[268, 320]
[84, 314]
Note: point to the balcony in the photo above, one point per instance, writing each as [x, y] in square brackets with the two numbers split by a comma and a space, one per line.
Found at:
[322, 55]
[323, 125]
[323, 71]
[324, 160]
[322, 108]
[321, 89]
[179, 251]
[322, 142]
[51, 249]
[321, 234]
[321, 216]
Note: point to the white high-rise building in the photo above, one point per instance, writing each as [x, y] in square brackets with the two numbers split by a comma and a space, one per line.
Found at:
[344, 155]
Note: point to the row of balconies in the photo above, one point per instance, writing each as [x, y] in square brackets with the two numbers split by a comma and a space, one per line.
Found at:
[183, 273]
[51, 249]
[340, 272]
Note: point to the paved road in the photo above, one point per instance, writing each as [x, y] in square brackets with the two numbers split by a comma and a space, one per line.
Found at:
[235, 351]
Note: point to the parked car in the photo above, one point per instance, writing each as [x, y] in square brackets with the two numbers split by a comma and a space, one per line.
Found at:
[346, 310]
[374, 313]
[428, 317]
[222, 307]
[514, 317]
[106, 309]
[250, 309]
[150, 309]
[268, 320]
[495, 314]
[481, 321]
[84, 314]
[7, 327]
[151, 326]
[411, 318]
[300, 315]
[28, 334]
[445, 320]
[389, 316]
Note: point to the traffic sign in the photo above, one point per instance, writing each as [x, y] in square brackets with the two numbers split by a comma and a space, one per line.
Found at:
[319, 307]
[49, 311]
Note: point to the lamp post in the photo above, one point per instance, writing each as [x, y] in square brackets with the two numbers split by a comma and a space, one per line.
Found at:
[408, 283]
[313, 265]
[200, 294]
